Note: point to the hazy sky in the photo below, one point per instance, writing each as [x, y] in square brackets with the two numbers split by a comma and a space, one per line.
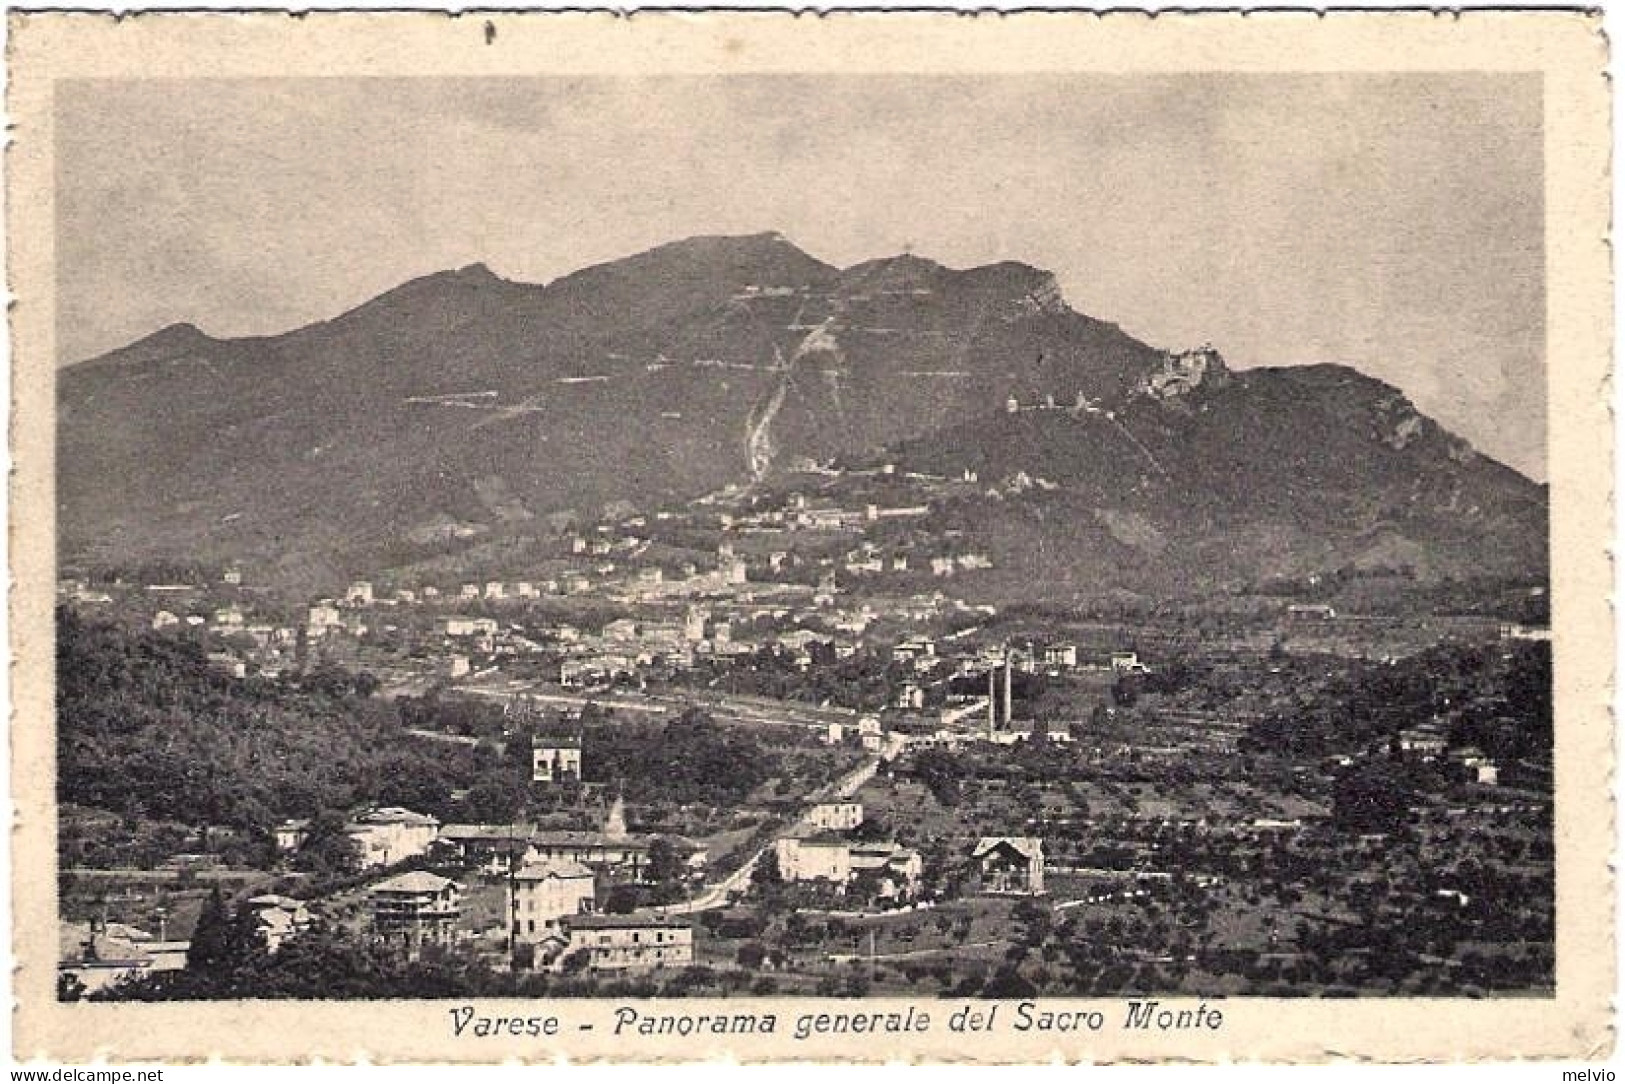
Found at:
[1393, 223]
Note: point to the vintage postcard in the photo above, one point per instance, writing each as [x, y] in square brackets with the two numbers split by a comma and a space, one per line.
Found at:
[867, 538]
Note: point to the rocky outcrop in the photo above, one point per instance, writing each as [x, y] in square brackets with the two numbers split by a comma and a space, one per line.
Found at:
[1044, 297]
[1406, 430]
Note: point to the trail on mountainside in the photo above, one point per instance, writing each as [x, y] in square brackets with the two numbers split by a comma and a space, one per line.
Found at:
[759, 448]
[1124, 429]
[758, 427]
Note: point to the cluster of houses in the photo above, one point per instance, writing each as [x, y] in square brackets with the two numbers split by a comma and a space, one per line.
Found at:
[684, 615]
[822, 849]
[870, 560]
[226, 612]
[867, 731]
[98, 954]
[611, 848]
[800, 512]
[891, 872]
[952, 694]
[1427, 742]
[639, 582]
[967, 702]
[551, 912]
[218, 609]
[390, 835]
[1183, 371]
[552, 881]
[95, 955]
[626, 646]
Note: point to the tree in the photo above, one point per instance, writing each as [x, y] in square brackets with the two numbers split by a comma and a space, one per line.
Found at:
[872, 828]
[1372, 799]
[217, 939]
[940, 771]
[327, 848]
[767, 878]
[751, 954]
[1008, 984]
[69, 987]
[665, 864]
[623, 899]
[146, 727]
[492, 801]
[1034, 919]
[331, 680]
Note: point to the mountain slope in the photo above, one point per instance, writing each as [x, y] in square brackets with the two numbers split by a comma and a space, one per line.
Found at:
[1271, 472]
[461, 405]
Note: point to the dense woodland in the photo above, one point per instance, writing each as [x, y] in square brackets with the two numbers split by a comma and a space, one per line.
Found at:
[1493, 695]
[145, 727]
[149, 731]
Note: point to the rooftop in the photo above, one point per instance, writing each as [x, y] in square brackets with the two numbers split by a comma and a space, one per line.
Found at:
[588, 839]
[416, 881]
[558, 867]
[626, 922]
[811, 836]
[1026, 846]
[493, 832]
[394, 814]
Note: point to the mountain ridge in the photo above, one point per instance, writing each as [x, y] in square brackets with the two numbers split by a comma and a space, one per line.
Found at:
[462, 397]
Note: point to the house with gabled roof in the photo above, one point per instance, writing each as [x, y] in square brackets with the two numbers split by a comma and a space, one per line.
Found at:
[415, 908]
[278, 919]
[541, 894]
[1009, 865]
[630, 942]
[390, 834]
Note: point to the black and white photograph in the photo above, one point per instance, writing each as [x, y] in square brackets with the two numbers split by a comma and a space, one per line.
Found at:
[921, 539]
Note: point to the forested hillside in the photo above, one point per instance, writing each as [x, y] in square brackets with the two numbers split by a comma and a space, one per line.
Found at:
[1495, 697]
[146, 728]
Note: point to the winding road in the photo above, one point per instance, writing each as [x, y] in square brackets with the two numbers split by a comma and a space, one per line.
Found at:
[717, 895]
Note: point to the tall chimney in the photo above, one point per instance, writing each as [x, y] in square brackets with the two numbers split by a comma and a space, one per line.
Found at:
[1007, 716]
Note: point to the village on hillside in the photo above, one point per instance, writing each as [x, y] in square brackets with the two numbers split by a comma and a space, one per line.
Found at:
[784, 745]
